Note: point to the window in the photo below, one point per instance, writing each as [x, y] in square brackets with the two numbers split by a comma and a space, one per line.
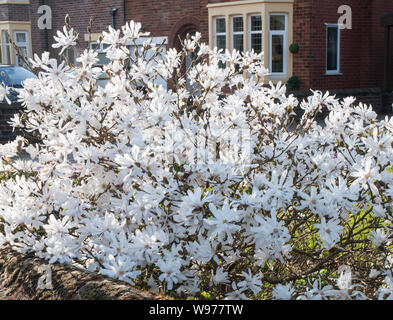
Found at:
[70, 55]
[278, 44]
[332, 49]
[237, 33]
[7, 47]
[220, 33]
[21, 39]
[255, 33]
[100, 47]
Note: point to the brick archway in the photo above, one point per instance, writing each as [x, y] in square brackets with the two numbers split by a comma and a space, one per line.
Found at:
[181, 28]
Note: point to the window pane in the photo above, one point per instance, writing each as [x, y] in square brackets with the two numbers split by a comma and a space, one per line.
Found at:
[220, 25]
[132, 50]
[22, 53]
[70, 54]
[6, 37]
[238, 24]
[256, 42]
[332, 48]
[20, 37]
[277, 22]
[238, 42]
[94, 46]
[277, 53]
[7, 54]
[221, 42]
[102, 59]
[256, 23]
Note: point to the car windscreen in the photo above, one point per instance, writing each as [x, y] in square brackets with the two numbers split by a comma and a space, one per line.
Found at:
[14, 76]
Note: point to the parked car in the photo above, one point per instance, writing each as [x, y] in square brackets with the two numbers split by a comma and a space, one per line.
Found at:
[13, 77]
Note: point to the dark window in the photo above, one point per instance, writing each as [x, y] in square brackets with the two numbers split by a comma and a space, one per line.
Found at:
[332, 48]
[277, 53]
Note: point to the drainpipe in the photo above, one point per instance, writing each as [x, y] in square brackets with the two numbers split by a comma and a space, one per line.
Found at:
[46, 36]
[113, 13]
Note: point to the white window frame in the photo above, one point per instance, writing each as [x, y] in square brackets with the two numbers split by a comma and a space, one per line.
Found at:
[216, 34]
[284, 33]
[250, 32]
[233, 33]
[337, 71]
[21, 44]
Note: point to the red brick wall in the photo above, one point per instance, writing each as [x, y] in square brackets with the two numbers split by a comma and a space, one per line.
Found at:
[361, 48]
[80, 12]
[38, 36]
[14, 12]
[166, 18]
[302, 35]
[375, 68]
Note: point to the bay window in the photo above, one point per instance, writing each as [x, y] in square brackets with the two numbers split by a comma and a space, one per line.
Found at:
[259, 25]
[18, 33]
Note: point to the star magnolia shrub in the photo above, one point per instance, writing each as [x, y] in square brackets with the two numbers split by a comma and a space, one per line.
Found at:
[212, 187]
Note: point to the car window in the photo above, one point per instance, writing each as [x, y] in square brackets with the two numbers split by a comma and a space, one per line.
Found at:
[15, 75]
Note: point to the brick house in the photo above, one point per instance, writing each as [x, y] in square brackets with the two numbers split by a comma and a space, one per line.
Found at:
[346, 62]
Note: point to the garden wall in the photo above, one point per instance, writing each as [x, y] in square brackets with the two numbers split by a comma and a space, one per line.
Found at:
[6, 113]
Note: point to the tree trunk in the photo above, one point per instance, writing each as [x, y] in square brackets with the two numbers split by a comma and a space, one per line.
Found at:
[20, 275]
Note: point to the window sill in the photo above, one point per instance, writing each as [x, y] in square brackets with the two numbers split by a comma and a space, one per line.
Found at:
[280, 76]
[333, 74]
[15, 2]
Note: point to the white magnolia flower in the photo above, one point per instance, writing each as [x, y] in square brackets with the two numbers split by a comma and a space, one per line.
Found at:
[283, 292]
[329, 231]
[220, 277]
[379, 237]
[65, 39]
